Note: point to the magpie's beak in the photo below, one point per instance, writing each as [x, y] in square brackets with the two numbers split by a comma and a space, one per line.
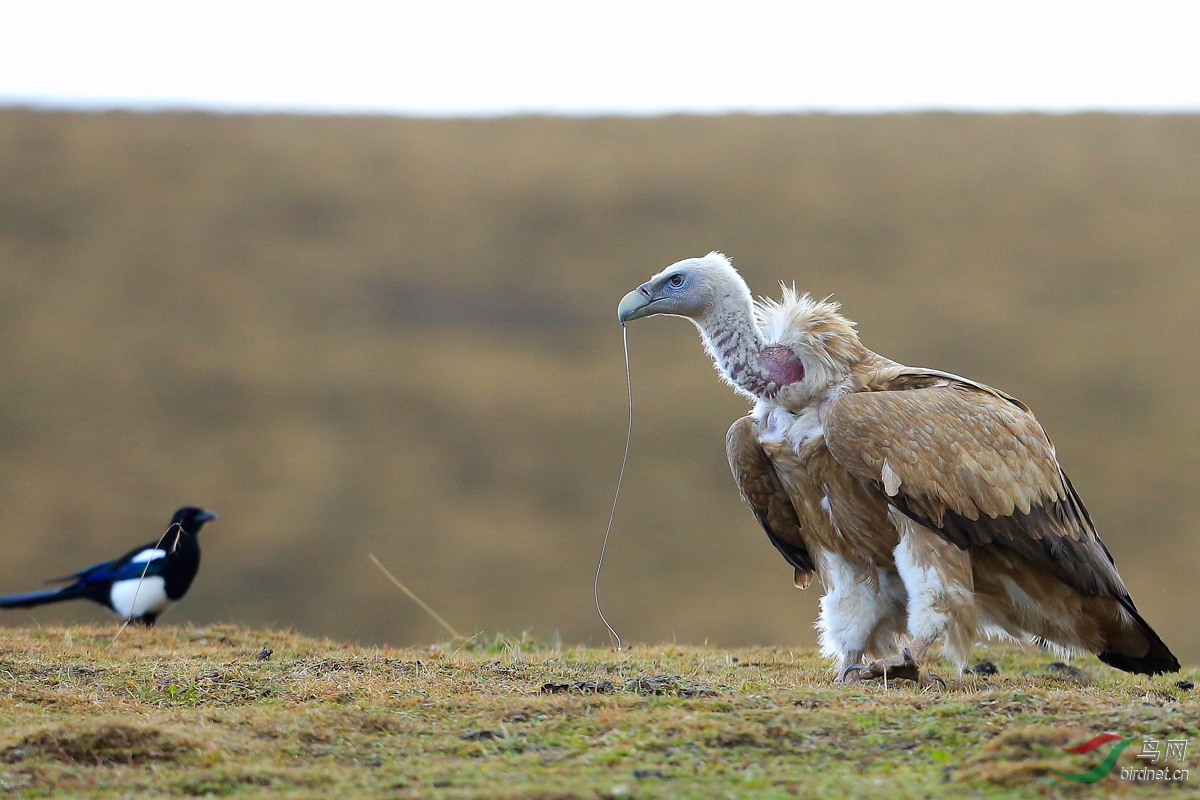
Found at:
[635, 305]
[206, 516]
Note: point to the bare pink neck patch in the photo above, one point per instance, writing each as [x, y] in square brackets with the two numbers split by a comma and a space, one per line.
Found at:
[781, 364]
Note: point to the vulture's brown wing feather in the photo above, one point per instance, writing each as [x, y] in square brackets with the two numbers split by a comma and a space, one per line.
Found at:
[772, 507]
[975, 466]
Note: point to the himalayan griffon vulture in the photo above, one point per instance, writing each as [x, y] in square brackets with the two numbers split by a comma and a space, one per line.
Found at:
[931, 507]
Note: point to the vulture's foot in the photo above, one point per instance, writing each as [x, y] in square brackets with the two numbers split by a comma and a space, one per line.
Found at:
[898, 667]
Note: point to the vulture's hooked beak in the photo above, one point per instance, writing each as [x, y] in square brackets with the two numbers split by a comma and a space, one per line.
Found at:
[635, 305]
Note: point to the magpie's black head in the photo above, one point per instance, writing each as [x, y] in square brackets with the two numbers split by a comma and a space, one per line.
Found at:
[191, 519]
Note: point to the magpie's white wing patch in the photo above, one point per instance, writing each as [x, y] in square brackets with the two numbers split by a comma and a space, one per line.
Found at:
[149, 554]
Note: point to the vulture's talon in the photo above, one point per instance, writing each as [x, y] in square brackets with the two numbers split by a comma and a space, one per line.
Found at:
[928, 679]
[853, 668]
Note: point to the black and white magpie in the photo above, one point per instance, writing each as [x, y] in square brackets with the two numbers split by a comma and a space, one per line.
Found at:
[139, 585]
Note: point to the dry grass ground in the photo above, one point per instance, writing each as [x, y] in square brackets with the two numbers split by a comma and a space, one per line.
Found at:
[230, 711]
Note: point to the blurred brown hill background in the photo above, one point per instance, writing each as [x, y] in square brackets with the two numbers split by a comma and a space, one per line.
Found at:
[354, 335]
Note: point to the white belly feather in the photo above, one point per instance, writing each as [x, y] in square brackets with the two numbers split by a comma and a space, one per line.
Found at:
[131, 600]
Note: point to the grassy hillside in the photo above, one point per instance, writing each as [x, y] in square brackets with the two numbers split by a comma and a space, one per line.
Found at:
[388, 336]
[231, 711]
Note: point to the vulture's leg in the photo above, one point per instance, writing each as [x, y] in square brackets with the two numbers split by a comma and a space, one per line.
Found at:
[853, 612]
[941, 592]
[941, 606]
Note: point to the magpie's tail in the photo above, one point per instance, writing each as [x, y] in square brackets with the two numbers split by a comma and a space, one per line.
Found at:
[31, 599]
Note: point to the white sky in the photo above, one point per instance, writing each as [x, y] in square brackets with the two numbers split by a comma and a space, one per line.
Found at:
[615, 56]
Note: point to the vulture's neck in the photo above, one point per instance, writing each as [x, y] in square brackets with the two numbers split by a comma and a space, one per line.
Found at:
[751, 366]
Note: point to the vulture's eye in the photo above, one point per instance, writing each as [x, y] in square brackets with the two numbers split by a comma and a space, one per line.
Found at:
[675, 280]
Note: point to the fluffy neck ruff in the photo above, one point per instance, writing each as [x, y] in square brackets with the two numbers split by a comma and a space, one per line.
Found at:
[815, 330]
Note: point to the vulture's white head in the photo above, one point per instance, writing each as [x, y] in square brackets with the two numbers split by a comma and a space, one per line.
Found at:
[788, 353]
[695, 288]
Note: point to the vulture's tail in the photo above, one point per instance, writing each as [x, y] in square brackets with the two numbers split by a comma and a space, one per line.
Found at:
[1158, 658]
